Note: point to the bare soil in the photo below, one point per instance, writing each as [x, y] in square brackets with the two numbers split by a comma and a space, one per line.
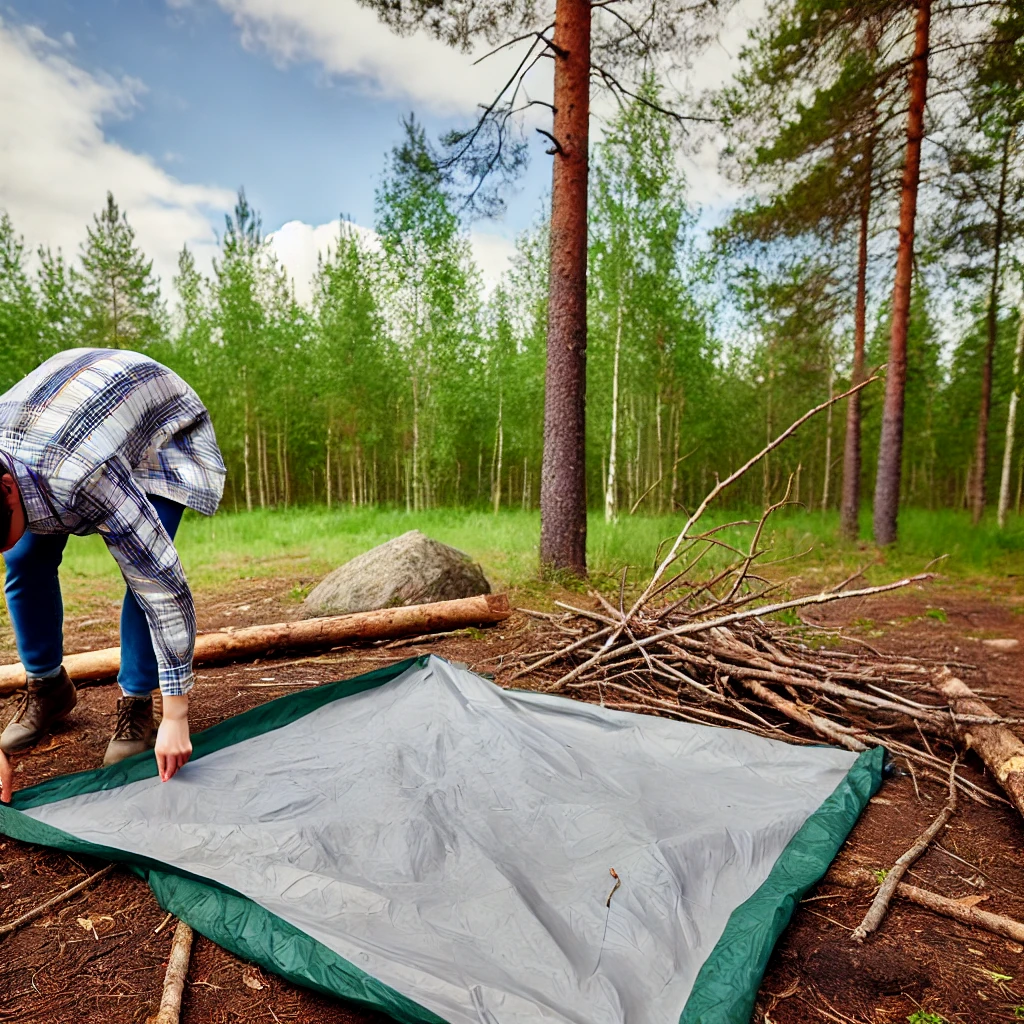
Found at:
[98, 957]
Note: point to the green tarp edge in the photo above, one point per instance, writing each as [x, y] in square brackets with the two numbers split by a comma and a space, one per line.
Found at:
[224, 916]
[272, 715]
[726, 987]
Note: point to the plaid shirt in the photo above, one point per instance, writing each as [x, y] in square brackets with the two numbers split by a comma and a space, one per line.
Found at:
[87, 435]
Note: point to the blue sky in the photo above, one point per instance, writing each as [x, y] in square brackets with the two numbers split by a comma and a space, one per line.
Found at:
[174, 104]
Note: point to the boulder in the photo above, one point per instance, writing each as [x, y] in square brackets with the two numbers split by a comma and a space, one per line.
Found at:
[411, 569]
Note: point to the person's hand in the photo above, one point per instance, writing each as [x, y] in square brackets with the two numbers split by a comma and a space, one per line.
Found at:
[6, 779]
[173, 745]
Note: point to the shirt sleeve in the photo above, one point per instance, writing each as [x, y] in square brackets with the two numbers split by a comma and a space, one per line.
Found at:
[134, 535]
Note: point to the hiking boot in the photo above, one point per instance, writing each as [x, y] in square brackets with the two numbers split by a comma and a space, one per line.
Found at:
[44, 703]
[135, 730]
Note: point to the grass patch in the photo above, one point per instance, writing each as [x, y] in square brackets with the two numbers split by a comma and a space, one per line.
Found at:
[306, 542]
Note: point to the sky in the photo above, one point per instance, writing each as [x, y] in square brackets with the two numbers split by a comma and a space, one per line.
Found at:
[175, 104]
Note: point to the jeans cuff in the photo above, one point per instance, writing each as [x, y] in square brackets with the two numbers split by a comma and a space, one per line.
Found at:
[46, 675]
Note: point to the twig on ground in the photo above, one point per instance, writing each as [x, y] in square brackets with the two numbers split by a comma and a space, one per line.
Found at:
[880, 904]
[174, 979]
[31, 915]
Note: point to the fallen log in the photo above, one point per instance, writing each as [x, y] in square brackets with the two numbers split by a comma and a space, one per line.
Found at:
[965, 913]
[174, 979]
[250, 641]
[1000, 749]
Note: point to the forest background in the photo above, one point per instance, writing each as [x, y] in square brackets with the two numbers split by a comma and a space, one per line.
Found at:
[405, 383]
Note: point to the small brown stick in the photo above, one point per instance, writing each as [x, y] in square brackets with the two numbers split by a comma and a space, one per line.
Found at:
[18, 922]
[722, 484]
[618, 882]
[880, 904]
[703, 626]
[174, 979]
[823, 727]
[995, 923]
[999, 748]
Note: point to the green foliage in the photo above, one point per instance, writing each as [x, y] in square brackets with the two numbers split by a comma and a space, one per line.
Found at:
[925, 1017]
[120, 298]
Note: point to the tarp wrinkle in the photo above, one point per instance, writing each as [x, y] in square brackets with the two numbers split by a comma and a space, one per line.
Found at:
[421, 841]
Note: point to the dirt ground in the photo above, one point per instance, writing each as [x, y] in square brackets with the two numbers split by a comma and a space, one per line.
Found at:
[98, 958]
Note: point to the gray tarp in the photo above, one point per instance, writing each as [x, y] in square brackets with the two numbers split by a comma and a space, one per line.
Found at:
[454, 841]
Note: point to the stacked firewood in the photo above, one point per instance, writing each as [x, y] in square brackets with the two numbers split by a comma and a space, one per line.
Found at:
[719, 646]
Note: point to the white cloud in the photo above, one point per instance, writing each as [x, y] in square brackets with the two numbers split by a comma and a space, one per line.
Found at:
[56, 164]
[493, 254]
[348, 39]
[298, 245]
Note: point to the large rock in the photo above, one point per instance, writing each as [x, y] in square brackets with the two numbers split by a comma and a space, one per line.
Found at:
[411, 569]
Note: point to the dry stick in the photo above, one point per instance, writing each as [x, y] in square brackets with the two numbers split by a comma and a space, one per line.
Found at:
[734, 476]
[995, 923]
[18, 922]
[815, 723]
[699, 627]
[880, 904]
[698, 512]
[174, 979]
[999, 748]
[559, 653]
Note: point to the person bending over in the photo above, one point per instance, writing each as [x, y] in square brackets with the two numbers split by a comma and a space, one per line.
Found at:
[110, 442]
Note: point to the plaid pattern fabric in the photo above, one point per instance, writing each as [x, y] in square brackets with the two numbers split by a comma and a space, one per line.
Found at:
[87, 435]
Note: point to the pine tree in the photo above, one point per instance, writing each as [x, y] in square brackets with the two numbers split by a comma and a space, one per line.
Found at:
[19, 314]
[122, 307]
[61, 304]
[432, 300]
[603, 42]
[811, 114]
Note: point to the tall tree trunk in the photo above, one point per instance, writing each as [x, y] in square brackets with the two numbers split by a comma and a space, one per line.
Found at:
[248, 479]
[563, 534]
[1011, 426]
[609, 491]
[327, 467]
[850, 507]
[661, 457]
[890, 449]
[282, 494]
[828, 442]
[499, 441]
[415, 445]
[981, 443]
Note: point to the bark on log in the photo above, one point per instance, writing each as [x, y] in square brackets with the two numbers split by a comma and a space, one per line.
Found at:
[174, 979]
[250, 641]
[1000, 749]
[995, 923]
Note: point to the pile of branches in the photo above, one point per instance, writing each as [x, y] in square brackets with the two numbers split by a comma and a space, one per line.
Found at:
[709, 646]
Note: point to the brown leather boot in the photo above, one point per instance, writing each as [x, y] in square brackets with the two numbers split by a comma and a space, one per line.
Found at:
[135, 730]
[44, 703]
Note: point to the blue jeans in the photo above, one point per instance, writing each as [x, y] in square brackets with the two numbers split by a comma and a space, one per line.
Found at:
[37, 611]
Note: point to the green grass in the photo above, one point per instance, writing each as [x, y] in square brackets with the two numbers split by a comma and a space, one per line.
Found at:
[305, 542]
